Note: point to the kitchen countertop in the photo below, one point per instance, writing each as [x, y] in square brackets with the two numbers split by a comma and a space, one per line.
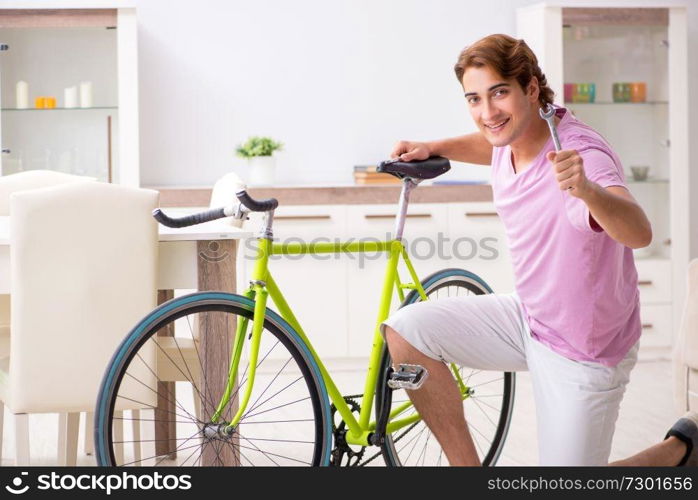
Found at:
[334, 195]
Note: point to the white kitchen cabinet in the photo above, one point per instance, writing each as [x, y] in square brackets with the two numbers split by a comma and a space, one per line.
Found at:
[604, 46]
[654, 281]
[656, 322]
[55, 49]
[479, 244]
[655, 284]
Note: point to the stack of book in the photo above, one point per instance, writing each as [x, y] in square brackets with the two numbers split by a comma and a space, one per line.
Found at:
[366, 174]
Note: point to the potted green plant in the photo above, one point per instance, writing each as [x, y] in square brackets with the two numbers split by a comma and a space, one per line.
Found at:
[259, 154]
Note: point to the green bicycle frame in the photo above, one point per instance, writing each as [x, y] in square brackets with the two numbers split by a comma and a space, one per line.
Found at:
[263, 286]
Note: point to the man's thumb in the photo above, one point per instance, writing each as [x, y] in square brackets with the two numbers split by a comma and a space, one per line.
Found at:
[551, 156]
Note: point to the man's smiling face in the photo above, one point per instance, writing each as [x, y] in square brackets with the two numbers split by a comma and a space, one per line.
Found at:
[500, 108]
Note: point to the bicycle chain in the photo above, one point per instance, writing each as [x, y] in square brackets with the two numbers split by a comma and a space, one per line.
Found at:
[341, 445]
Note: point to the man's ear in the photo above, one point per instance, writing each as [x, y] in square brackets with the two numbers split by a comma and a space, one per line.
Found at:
[533, 90]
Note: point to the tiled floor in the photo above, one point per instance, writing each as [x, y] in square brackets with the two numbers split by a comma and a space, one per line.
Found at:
[646, 413]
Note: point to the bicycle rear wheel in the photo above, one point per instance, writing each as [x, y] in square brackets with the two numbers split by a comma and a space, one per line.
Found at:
[488, 407]
[166, 379]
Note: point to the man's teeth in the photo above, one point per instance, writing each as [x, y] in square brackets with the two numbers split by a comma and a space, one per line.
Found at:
[498, 124]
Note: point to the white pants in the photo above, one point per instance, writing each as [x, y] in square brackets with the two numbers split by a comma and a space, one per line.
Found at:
[576, 401]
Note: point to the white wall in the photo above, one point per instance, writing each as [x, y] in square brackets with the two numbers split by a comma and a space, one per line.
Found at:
[337, 81]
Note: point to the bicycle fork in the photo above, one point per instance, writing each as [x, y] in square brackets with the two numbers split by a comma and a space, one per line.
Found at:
[258, 293]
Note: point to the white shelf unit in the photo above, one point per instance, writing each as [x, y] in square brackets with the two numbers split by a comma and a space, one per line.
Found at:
[628, 44]
[52, 49]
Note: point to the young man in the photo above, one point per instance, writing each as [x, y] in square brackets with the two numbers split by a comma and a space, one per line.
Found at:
[571, 225]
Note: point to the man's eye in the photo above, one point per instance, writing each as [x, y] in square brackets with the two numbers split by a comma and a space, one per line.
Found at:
[472, 100]
[499, 92]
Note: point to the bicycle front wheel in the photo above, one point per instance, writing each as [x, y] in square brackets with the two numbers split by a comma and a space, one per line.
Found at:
[488, 403]
[162, 389]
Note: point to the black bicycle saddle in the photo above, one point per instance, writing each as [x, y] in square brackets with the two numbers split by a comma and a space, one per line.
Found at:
[421, 169]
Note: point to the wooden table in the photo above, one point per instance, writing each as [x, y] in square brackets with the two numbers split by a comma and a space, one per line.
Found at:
[201, 257]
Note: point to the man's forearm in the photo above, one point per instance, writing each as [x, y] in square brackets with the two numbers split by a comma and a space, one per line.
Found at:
[470, 148]
[622, 218]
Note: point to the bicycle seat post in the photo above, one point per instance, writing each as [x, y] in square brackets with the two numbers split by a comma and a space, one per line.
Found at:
[408, 185]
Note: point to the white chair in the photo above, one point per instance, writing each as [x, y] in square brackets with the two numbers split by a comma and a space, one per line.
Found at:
[83, 272]
[9, 184]
[32, 179]
[686, 348]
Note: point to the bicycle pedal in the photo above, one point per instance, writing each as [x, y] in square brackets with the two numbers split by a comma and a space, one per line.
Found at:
[408, 377]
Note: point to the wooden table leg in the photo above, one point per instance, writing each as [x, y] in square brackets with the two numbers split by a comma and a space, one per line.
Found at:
[165, 425]
[216, 271]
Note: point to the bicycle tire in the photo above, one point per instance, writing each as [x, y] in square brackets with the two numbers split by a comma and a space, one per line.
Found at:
[139, 346]
[384, 395]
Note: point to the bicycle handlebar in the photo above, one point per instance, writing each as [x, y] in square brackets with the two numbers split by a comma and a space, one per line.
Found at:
[256, 205]
[188, 220]
[216, 213]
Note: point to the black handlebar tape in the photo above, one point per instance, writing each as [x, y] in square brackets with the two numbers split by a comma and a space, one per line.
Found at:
[188, 220]
[257, 205]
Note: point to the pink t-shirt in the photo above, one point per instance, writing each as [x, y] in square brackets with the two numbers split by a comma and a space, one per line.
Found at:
[577, 285]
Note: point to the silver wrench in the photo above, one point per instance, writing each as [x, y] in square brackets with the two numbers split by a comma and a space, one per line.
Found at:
[548, 114]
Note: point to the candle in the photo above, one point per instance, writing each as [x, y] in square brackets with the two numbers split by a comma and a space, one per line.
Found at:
[85, 94]
[70, 97]
[22, 95]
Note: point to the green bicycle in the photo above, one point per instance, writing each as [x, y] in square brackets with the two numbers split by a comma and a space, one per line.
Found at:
[261, 395]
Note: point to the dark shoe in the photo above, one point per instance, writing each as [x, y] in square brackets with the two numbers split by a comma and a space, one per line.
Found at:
[686, 429]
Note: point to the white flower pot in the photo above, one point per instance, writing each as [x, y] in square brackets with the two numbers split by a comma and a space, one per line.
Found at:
[261, 170]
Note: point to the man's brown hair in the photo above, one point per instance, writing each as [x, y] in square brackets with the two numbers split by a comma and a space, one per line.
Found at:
[509, 57]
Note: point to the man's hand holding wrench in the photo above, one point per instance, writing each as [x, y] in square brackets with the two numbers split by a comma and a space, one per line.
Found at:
[568, 164]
